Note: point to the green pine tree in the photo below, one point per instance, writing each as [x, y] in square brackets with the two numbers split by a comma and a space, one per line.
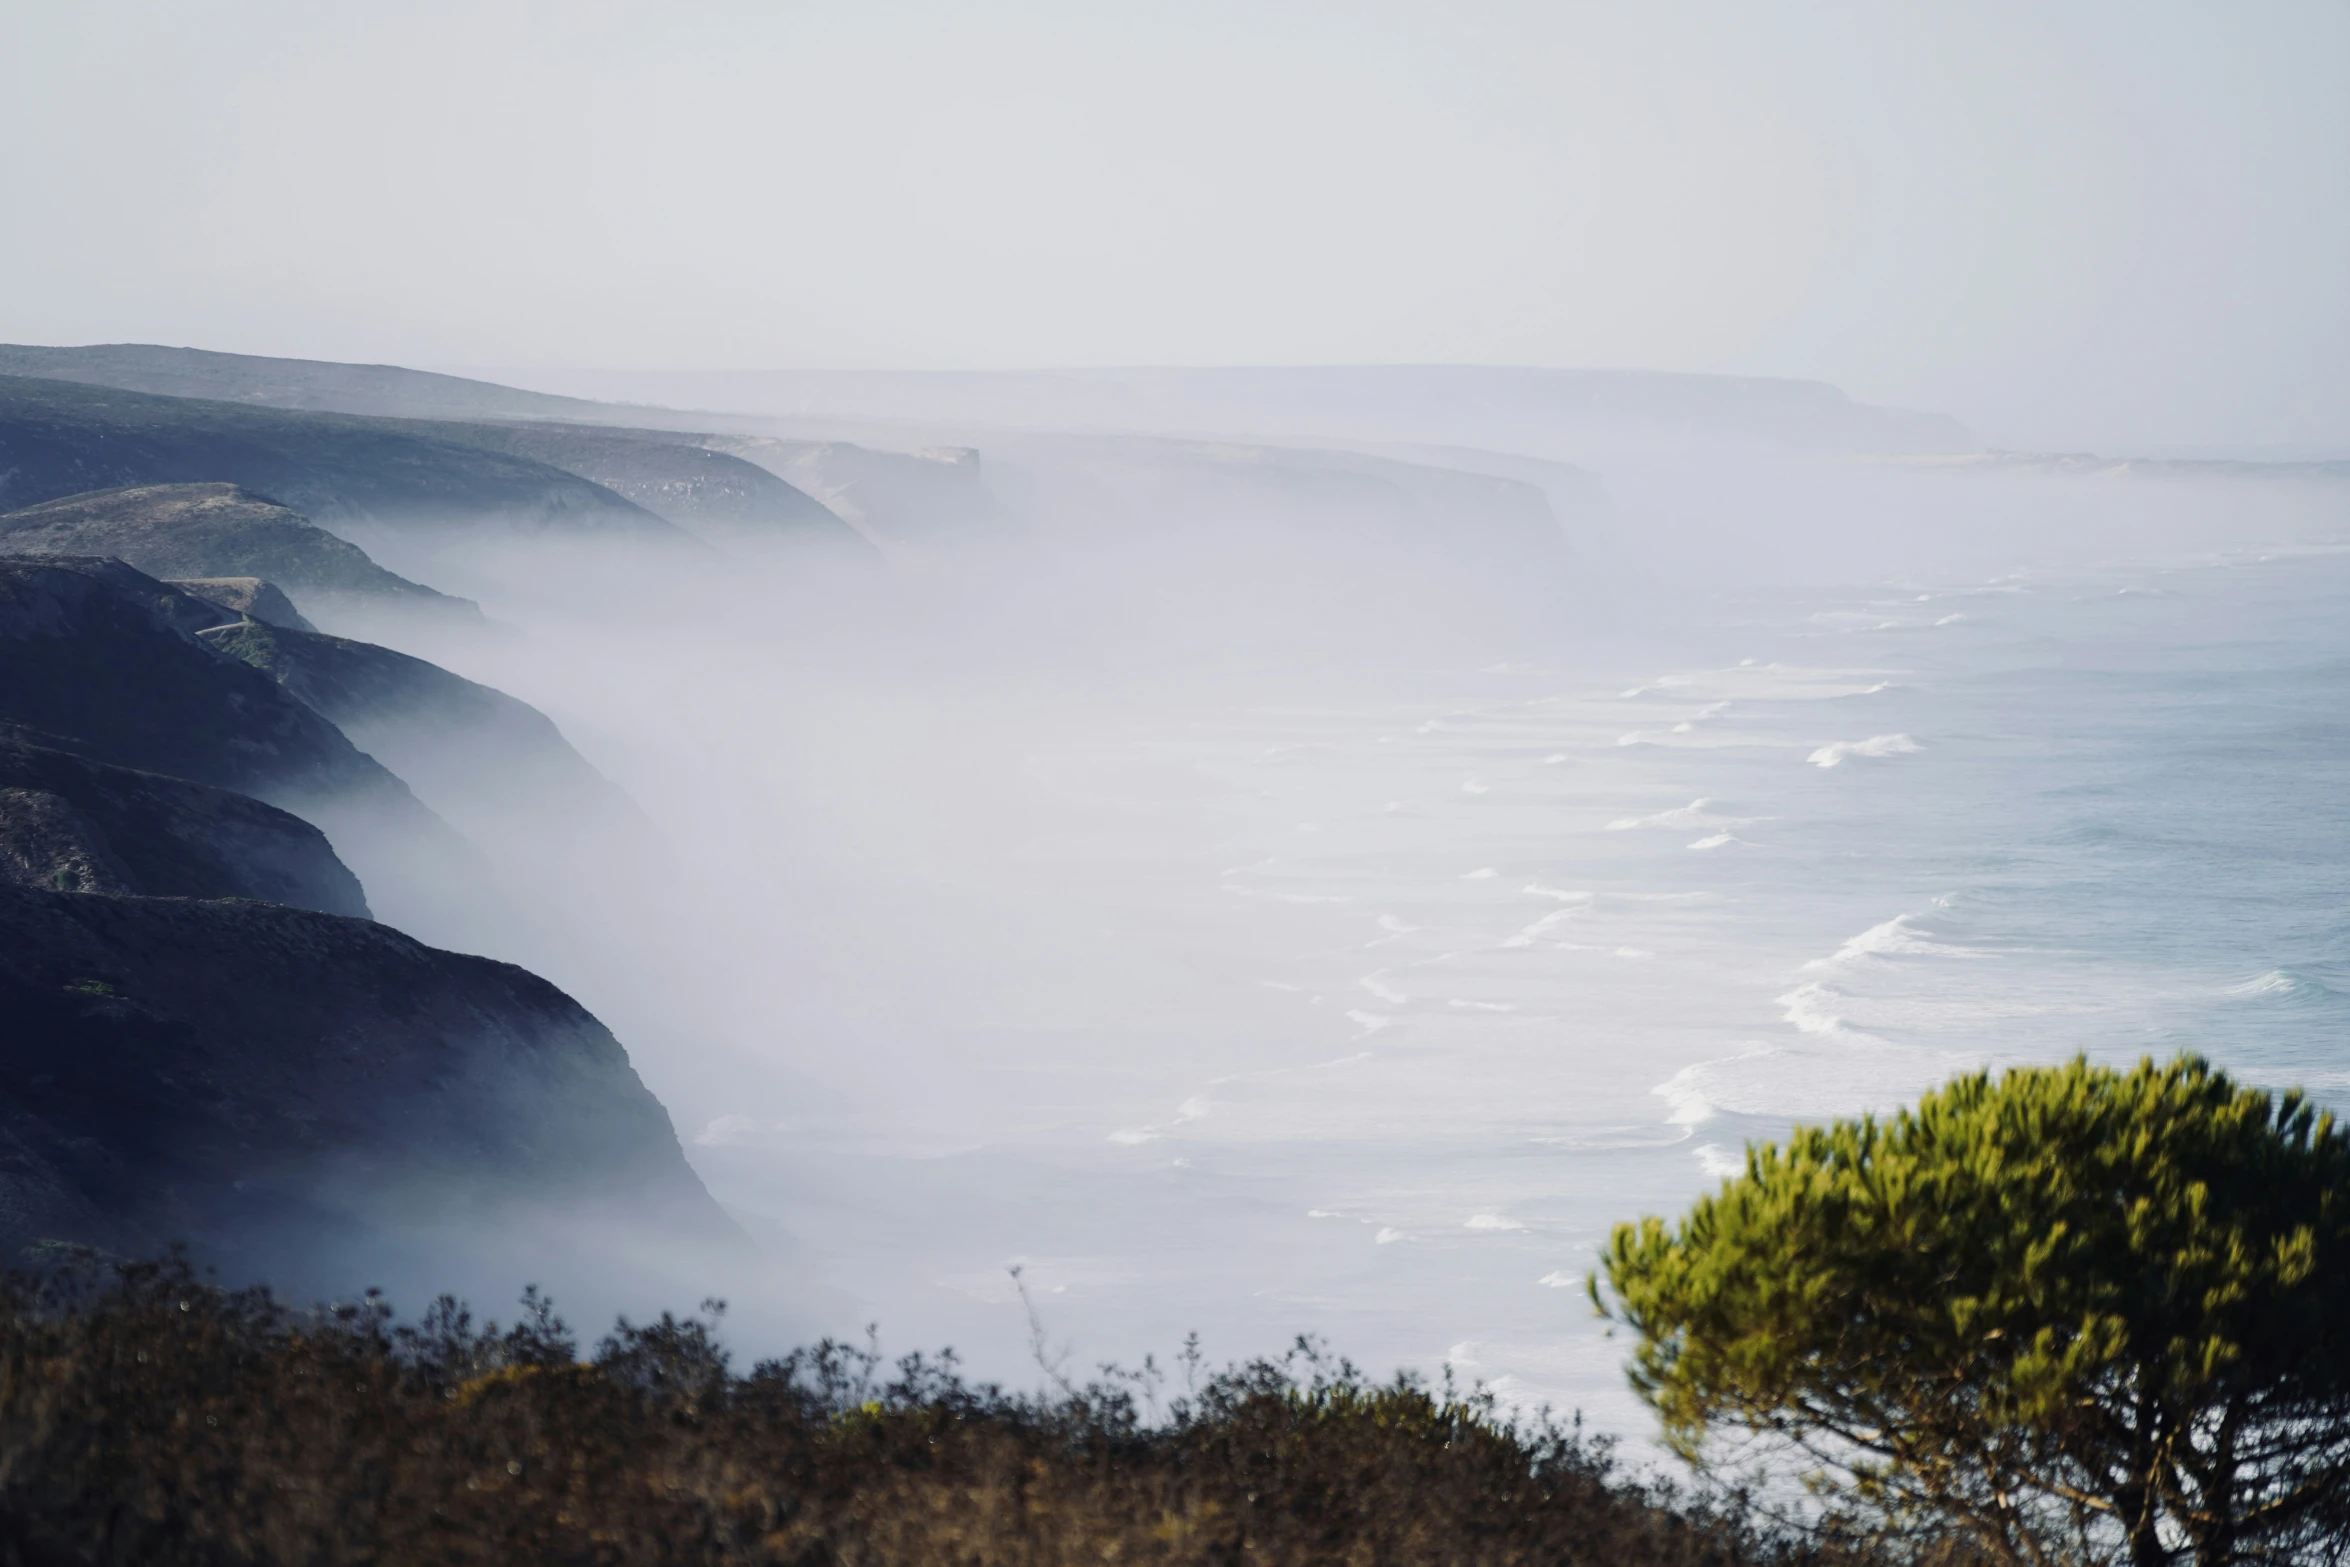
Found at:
[2065, 1314]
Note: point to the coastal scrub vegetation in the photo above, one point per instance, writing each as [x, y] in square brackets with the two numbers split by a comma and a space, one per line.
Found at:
[2070, 1314]
[146, 1417]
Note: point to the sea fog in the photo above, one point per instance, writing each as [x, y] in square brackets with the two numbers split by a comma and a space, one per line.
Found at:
[1245, 925]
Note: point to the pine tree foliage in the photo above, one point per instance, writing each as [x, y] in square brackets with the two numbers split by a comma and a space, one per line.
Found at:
[2082, 1314]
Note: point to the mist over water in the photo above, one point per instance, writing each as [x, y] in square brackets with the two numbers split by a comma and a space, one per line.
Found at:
[1239, 954]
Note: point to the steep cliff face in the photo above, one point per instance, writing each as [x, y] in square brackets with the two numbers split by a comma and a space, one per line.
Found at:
[292, 1093]
[908, 504]
[109, 661]
[203, 1039]
[60, 438]
[127, 682]
[461, 745]
[211, 530]
[731, 503]
[73, 825]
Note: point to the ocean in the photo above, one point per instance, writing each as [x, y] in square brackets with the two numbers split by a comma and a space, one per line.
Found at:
[1364, 1010]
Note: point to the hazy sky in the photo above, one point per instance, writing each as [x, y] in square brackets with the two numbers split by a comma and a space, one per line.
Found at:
[2065, 222]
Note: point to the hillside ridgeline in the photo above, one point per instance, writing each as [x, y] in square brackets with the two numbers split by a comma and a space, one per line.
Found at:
[313, 385]
[717, 497]
[60, 438]
[112, 663]
[464, 747]
[214, 530]
[70, 824]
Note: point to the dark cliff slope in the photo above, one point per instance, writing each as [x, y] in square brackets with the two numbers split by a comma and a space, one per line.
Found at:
[292, 1093]
[62, 438]
[108, 660]
[456, 742]
[209, 530]
[85, 659]
[73, 825]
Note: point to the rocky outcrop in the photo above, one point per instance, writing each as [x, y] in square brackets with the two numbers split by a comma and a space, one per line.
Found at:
[208, 531]
[245, 597]
[295, 1095]
[68, 824]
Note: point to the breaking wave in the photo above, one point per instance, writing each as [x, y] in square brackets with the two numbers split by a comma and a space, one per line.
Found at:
[1842, 751]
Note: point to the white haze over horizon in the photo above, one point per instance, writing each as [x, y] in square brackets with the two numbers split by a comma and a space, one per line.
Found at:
[2103, 223]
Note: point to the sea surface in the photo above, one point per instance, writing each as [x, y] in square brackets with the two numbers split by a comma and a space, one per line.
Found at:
[1365, 1012]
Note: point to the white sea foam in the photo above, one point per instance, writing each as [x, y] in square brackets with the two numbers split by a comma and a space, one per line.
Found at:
[1530, 934]
[1697, 813]
[1713, 841]
[1842, 751]
[1241, 890]
[1482, 873]
[1814, 1008]
[1896, 937]
[1691, 1094]
[1191, 1109]
[2276, 982]
[1685, 1098]
[2284, 985]
[1491, 1221]
[1718, 1162]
